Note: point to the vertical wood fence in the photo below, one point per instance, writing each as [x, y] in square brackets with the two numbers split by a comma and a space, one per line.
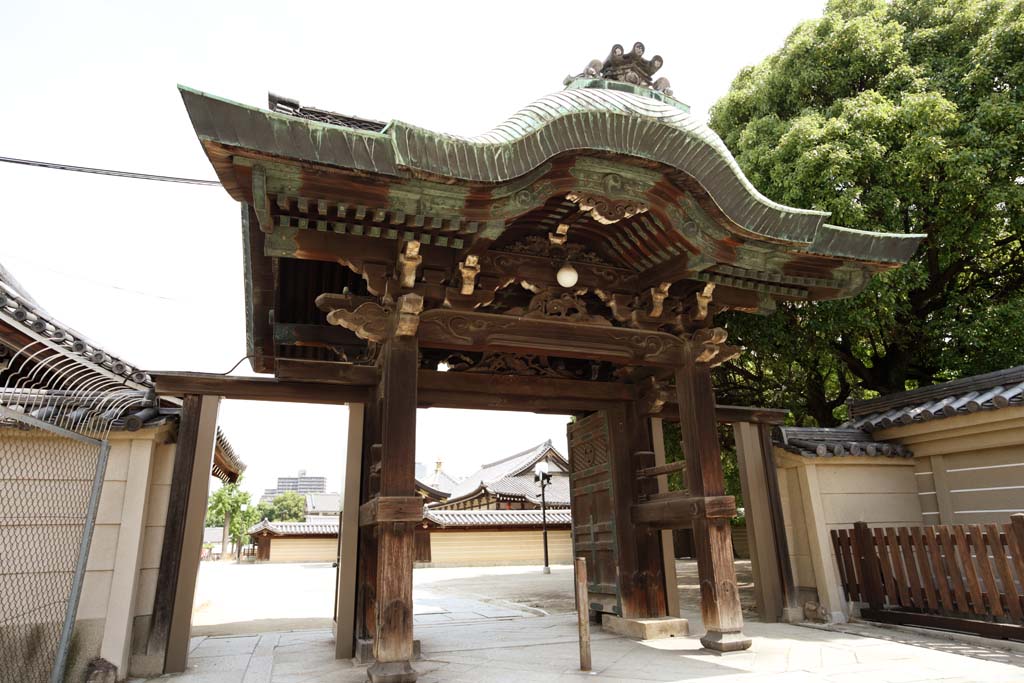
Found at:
[966, 578]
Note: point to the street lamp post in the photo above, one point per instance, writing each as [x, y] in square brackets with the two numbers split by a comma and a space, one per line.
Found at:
[542, 476]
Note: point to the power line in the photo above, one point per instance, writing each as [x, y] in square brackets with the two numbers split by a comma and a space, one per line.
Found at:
[104, 171]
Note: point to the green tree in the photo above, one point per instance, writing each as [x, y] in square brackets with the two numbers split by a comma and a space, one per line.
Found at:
[289, 507]
[228, 504]
[904, 116]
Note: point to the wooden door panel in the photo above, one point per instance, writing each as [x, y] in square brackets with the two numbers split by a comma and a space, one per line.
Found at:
[593, 508]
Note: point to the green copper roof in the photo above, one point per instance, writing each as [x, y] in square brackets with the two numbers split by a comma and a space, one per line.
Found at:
[647, 126]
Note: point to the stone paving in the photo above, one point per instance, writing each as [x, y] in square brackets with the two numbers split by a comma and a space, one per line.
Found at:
[491, 631]
[467, 646]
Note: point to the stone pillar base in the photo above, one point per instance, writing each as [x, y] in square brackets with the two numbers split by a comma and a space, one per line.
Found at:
[792, 615]
[725, 642]
[646, 629]
[364, 651]
[391, 672]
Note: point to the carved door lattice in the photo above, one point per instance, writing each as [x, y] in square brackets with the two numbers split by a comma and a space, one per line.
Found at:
[593, 517]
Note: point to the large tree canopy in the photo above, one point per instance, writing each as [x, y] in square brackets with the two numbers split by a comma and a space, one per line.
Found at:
[904, 117]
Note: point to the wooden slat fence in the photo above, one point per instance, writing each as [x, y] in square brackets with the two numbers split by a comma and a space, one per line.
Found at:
[967, 577]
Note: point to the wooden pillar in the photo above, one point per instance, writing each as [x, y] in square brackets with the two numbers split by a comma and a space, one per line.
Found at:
[791, 609]
[348, 539]
[719, 594]
[366, 561]
[641, 571]
[667, 543]
[393, 637]
[183, 535]
[753, 479]
[124, 582]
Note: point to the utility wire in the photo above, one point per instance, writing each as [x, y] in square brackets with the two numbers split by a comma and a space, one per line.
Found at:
[104, 171]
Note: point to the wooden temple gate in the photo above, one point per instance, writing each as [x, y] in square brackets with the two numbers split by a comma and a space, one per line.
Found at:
[572, 261]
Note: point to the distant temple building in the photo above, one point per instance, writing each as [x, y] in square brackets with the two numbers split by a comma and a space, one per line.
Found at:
[508, 484]
[301, 484]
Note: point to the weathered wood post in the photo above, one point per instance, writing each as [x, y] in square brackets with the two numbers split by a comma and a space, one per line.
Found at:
[583, 613]
[719, 594]
[397, 510]
[867, 560]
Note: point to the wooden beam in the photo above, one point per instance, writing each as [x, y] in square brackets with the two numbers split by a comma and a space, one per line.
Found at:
[439, 390]
[730, 414]
[680, 511]
[514, 385]
[391, 509]
[471, 331]
[256, 388]
[326, 371]
[293, 334]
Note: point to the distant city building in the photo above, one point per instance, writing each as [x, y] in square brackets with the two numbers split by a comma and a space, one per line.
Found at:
[301, 484]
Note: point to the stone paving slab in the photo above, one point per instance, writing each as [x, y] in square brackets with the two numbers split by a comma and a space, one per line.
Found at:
[544, 650]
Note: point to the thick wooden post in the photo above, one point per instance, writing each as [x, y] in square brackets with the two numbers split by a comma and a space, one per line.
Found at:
[393, 640]
[167, 647]
[719, 594]
[667, 545]
[366, 562]
[791, 609]
[641, 570]
[348, 539]
[871, 579]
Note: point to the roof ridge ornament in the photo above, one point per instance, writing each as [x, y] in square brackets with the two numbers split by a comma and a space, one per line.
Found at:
[628, 67]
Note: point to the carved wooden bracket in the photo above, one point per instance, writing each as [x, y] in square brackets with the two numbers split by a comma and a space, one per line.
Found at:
[560, 235]
[709, 346]
[369, 320]
[408, 261]
[469, 269]
[658, 296]
[409, 308]
[703, 301]
[653, 395]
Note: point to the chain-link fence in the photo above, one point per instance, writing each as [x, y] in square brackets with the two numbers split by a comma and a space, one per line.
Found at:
[49, 490]
[55, 413]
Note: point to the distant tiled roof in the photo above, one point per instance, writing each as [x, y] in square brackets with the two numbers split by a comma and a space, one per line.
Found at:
[507, 467]
[325, 528]
[824, 442]
[284, 105]
[990, 391]
[473, 518]
[555, 493]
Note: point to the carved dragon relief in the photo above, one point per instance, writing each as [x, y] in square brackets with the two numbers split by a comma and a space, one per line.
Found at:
[567, 306]
[495, 363]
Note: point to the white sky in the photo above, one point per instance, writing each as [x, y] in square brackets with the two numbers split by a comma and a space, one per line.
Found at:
[153, 271]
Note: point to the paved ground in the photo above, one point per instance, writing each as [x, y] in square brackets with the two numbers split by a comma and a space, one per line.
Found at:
[483, 626]
[250, 598]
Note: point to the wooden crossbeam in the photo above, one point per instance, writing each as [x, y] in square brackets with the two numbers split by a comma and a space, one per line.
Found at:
[661, 469]
[438, 390]
[391, 509]
[680, 511]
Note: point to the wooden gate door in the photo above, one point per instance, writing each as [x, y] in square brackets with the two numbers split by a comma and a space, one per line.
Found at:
[593, 516]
